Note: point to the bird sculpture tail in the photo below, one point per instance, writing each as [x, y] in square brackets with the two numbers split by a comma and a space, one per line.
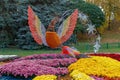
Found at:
[70, 51]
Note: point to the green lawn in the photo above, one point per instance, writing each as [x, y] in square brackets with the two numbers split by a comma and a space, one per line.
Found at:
[21, 52]
[105, 47]
[112, 50]
[83, 48]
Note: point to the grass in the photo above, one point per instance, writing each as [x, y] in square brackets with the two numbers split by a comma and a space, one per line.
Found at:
[112, 50]
[82, 47]
[105, 47]
[20, 52]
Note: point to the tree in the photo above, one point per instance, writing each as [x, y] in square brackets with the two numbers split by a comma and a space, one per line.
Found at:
[13, 17]
[111, 9]
[7, 27]
[94, 13]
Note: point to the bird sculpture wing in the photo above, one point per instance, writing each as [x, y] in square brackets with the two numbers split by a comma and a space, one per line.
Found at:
[67, 26]
[36, 27]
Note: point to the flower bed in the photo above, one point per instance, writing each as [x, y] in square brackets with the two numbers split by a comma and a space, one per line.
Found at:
[99, 66]
[76, 75]
[112, 55]
[45, 56]
[46, 77]
[14, 78]
[37, 67]
[92, 68]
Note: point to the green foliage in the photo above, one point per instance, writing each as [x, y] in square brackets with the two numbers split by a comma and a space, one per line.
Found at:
[6, 21]
[13, 18]
[4, 39]
[2, 23]
[93, 12]
[80, 27]
[25, 40]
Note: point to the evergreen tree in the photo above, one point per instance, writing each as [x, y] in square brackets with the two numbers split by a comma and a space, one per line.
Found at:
[13, 18]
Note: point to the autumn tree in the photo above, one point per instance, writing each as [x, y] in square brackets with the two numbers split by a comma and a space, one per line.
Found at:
[111, 9]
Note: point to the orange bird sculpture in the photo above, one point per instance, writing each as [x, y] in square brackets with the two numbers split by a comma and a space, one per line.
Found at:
[50, 37]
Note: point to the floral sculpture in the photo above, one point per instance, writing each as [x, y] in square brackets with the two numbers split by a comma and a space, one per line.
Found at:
[50, 37]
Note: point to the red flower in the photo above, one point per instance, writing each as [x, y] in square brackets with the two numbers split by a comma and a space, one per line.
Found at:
[112, 55]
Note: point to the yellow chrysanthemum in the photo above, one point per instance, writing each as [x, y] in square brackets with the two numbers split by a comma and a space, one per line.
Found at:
[96, 65]
[77, 75]
[46, 77]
